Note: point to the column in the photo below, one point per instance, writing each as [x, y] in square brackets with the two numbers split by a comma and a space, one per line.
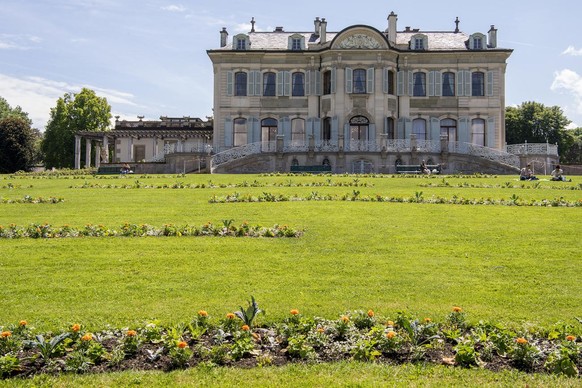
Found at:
[97, 155]
[130, 149]
[105, 149]
[77, 152]
[87, 153]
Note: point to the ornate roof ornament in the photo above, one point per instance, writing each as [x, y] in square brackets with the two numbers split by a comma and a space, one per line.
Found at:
[359, 41]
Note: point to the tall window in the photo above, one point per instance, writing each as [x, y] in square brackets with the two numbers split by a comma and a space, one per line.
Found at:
[390, 82]
[478, 132]
[448, 84]
[298, 130]
[298, 81]
[326, 132]
[269, 129]
[269, 84]
[477, 84]
[327, 82]
[419, 128]
[359, 81]
[449, 129]
[477, 43]
[241, 44]
[296, 44]
[419, 86]
[359, 128]
[240, 132]
[390, 128]
[240, 83]
[418, 44]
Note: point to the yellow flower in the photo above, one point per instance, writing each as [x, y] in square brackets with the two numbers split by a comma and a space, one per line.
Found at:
[230, 316]
[202, 313]
[245, 328]
[256, 336]
[182, 344]
[87, 337]
[427, 320]
[390, 334]
[320, 330]
[370, 313]
[521, 341]
[390, 323]
[294, 312]
[345, 319]
[457, 309]
[131, 333]
[76, 327]
[5, 334]
[571, 338]
[22, 323]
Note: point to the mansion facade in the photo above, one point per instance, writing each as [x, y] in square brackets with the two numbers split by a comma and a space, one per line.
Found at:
[358, 99]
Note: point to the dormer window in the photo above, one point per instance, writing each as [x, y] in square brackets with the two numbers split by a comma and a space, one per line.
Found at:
[241, 42]
[419, 42]
[296, 42]
[477, 42]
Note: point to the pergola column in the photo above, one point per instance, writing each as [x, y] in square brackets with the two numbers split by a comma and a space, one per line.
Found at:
[97, 155]
[77, 152]
[87, 153]
[105, 149]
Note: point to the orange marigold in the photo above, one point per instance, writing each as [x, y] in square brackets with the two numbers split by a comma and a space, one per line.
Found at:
[182, 344]
[457, 309]
[391, 334]
[320, 330]
[571, 338]
[345, 319]
[22, 323]
[76, 327]
[427, 320]
[294, 311]
[521, 341]
[131, 333]
[370, 313]
[202, 313]
[245, 328]
[390, 323]
[87, 337]
[5, 334]
[230, 316]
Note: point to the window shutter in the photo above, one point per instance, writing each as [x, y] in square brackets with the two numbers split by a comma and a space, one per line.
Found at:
[399, 128]
[400, 83]
[431, 83]
[334, 129]
[287, 83]
[491, 133]
[385, 80]
[349, 75]
[286, 130]
[460, 83]
[332, 83]
[280, 83]
[309, 127]
[407, 127]
[385, 131]
[435, 128]
[251, 83]
[467, 77]
[280, 127]
[372, 132]
[228, 136]
[490, 83]
[229, 83]
[308, 82]
[370, 80]
[317, 81]
[254, 130]
[346, 136]
[316, 128]
[258, 82]
[438, 88]
[464, 134]
[290, 43]
[410, 83]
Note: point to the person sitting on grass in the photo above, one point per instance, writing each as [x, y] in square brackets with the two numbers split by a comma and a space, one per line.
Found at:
[558, 174]
[526, 174]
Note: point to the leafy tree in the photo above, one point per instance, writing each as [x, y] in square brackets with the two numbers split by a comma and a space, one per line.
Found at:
[17, 141]
[84, 111]
[7, 111]
[535, 123]
[571, 148]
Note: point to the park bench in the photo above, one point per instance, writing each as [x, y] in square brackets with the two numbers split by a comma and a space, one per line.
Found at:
[311, 169]
[415, 168]
[111, 170]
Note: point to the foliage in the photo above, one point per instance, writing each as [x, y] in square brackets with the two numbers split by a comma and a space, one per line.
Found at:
[51, 347]
[534, 122]
[84, 111]
[563, 359]
[249, 314]
[17, 145]
[8, 365]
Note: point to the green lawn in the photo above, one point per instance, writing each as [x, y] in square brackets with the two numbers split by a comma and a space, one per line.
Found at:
[509, 264]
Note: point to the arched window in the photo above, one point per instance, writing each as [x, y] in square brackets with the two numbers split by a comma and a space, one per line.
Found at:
[326, 132]
[449, 129]
[359, 128]
[268, 129]
[448, 84]
[298, 84]
[477, 84]
[419, 128]
[419, 86]
[269, 84]
[359, 76]
[240, 132]
[478, 132]
[298, 130]
[240, 83]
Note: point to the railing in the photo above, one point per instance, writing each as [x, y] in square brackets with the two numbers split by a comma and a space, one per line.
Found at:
[172, 148]
[240, 152]
[532, 148]
[484, 152]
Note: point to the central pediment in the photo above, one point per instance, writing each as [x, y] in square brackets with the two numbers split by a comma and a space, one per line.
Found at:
[360, 38]
[359, 41]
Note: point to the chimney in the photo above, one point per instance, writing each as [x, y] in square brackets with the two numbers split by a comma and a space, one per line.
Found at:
[317, 24]
[493, 37]
[278, 29]
[323, 31]
[223, 37]
[392, 19]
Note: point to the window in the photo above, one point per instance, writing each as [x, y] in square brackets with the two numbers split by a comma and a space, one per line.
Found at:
[449, 129]
[240, 42]
[478, 132]
[269, 129]
[390, 128]
[296, 44]
[327, 82]
[448, 84]
[477, 43]
[240, 132]
[477, 84]
[298, 84]
[418, 44]
[419, 128]
[298, 130]
[359, 128]
[326, 133]
[390, 82]
[359, 81]
[419, 87]
[269, 84]
[240, 83]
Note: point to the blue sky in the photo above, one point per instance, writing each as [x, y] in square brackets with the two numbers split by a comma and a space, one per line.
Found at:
[148, 57]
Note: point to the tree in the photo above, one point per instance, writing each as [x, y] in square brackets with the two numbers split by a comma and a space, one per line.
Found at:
[535, 123]
[17, 141]
[84, 111]
[571, 148]
[7, 111]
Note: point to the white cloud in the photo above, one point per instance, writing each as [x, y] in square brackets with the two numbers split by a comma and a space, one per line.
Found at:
[570, 82]
[571, 50]
[18, 42]
[174, 8]
[572, 125]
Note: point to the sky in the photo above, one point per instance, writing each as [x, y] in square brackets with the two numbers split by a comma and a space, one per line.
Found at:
[148, 57]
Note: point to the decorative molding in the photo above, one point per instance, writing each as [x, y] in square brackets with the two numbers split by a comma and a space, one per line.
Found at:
[359, 41]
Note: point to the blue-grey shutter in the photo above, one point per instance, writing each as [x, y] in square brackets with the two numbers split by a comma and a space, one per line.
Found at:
[317, 81]
[258, 83]
[290, 43]
[280, 127]
[407, 127]
[410, 83]
[287, 83]
[399, 128]
[347, 136]
[491, 133]
[286, 130]
[332, 83]
[400, 83]
[435, 128]
[349, 74]
[467, 77]
[308, 74]
[464, 134]
[309, 127]
[251, 83]
[317, 128]
[334, 129]
[228, 136]
[430, 83]
[490, 83]
[372, 132]
[370, 80]
[280, 83]
[253, 130]
[229, 83]
[438, 88]
[385, 80]
[460, 83]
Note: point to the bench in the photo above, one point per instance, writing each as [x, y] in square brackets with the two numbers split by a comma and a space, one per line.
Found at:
[415, 168]
[111, 170]
[311, 169]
